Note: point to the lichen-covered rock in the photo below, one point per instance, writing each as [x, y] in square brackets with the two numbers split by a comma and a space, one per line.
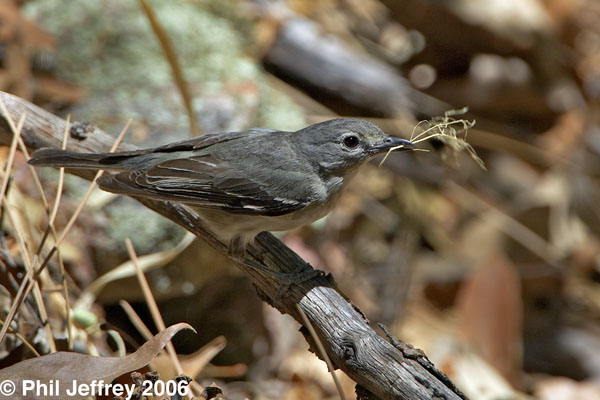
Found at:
[109, 49]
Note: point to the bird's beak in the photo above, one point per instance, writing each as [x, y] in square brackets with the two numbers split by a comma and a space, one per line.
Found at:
[392, 142]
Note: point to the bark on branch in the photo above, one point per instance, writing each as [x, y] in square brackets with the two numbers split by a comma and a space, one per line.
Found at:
[387, 371]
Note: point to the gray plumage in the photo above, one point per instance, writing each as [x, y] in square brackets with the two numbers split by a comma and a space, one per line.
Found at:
[246, 182]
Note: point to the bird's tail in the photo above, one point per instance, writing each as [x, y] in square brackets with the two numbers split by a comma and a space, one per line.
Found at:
[62, 158]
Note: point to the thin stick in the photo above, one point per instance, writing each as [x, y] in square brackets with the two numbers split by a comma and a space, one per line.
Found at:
[26, 285]
[63, 273]
[173, 61]
[79, 208]
[121, 352]
[321, 348]
[151, 302]
[61, 179]
[90, 189]
[145, 332]
[154, 311]
[51, 229]
[135, 320]
[20, 236]
[11, 155]
[390, 151]
[513, 228]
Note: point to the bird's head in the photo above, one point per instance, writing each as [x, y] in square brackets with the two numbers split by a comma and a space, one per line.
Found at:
[342, 144]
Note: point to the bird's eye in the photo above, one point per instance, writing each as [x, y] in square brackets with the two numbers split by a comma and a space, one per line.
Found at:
[351, 141]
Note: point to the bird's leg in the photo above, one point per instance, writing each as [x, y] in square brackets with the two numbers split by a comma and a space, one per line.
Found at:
[237, 251]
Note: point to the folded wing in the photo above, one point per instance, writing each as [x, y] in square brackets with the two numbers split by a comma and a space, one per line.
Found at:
[201, 181]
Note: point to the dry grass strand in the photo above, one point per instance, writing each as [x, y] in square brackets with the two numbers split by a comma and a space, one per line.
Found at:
[151, 302]
[447, 129]
[30, 279]
[321, 348]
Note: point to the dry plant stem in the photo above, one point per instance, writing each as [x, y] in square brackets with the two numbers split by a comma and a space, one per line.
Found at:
[121, 351]
[173, 61]
[16, 130]
[510, 226]
[11, 157]
[495, 141]
[61, 179]
[148, 262]
[350, 341]
[425, 135]
[40, 189]
[322, 351]
[421, 137]
[63, 272]
[442, 129]
[135, 320]
[79, 208]
[51, 229]
[146, 334]
[30, 280]
[87, 195]
[151, 302]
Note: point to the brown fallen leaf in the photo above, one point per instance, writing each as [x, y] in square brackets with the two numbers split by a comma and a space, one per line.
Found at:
[62, 368]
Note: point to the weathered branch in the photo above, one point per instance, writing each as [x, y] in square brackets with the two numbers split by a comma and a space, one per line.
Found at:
[314, 58]
[388, 371]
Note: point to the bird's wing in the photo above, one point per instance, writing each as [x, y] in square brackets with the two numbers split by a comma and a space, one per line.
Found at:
[198, 143]
[201, 181]
[208, 140]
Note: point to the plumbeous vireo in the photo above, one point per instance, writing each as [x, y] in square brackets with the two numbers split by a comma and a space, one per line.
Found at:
[243, 183]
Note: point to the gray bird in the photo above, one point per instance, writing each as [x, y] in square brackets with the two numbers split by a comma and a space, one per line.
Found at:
[243, 183]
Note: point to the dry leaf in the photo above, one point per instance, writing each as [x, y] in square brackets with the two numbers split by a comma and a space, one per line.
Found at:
[65, 367]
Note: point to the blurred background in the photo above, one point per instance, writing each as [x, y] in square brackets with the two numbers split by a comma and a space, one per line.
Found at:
[494, 273]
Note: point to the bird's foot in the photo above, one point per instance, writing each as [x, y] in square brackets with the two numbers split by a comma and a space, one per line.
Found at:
[237, 251]
[287, 279]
